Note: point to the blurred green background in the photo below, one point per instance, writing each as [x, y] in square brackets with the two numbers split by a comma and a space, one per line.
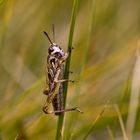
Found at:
[105, 62]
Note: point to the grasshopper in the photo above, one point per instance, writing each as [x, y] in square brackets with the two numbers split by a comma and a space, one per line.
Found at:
[54, 79]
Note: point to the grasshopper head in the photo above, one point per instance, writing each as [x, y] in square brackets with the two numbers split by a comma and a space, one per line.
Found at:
[56, 51]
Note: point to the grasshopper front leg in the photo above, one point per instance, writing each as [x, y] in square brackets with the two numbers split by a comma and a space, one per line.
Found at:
[61, 80]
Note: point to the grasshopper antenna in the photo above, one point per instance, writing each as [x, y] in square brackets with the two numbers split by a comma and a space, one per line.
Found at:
[53, 32]
[48, 37]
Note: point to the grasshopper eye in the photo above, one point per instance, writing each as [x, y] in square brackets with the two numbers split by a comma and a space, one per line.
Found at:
[58, 54]
[50, 50]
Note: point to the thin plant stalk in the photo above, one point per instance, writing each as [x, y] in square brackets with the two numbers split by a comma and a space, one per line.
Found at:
[95, 121]
[110, 133]
[134, 97]
[121, 122]
[59, 132]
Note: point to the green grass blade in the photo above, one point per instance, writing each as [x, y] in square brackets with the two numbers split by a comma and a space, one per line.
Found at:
[94, 122]
[59, 132]
[91, 8]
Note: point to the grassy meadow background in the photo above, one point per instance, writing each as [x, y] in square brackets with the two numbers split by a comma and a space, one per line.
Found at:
[105, 64]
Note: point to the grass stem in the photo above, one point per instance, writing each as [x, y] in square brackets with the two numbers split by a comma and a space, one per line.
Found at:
[59, 133]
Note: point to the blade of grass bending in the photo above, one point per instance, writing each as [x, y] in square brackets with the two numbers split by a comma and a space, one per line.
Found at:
[59, 132]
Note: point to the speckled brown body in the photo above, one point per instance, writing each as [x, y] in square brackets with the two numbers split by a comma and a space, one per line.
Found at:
[54, 79]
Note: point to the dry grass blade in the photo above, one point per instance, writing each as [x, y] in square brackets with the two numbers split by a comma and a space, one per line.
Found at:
[134, 99]
[95, 121]
[110, 133]
[121, 122]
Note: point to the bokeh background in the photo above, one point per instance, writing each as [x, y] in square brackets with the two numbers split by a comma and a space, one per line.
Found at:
[105, 64]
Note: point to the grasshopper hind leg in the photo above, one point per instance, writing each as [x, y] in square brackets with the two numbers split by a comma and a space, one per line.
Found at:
[67, 110]
[59, 112]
